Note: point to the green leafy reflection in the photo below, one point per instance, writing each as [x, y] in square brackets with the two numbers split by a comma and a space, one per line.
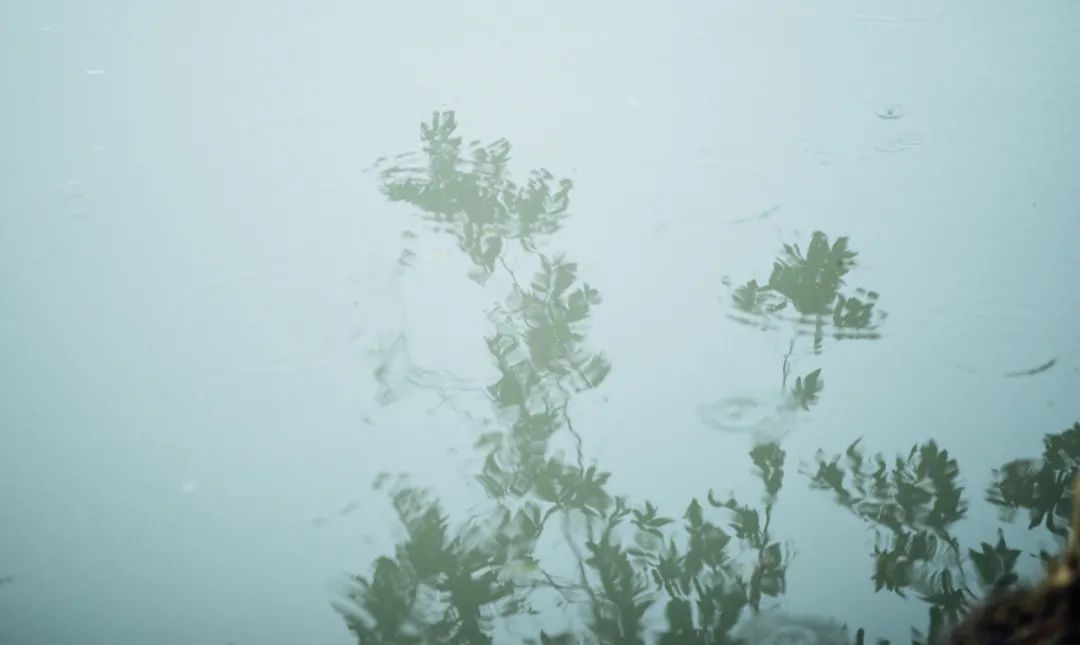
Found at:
[555, 535]
[449, 584]
[913, 503]
[804, 290]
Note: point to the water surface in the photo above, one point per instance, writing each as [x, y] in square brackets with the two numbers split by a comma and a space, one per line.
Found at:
[475, 322]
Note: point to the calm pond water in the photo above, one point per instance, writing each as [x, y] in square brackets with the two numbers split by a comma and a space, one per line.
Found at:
[562, 322]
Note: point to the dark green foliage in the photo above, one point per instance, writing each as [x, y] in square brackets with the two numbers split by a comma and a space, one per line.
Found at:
[1042, 487]
[449, 582]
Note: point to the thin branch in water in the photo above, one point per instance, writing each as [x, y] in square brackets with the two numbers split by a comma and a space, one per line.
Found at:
[787, 366]
[577, 437]
[513, 276]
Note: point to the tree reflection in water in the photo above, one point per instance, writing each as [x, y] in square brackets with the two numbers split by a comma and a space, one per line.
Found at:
[707, 572]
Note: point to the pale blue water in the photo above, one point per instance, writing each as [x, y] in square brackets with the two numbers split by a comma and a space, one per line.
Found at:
[229, 308]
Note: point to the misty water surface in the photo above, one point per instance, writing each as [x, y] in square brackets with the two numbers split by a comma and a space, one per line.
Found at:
[356, 322]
